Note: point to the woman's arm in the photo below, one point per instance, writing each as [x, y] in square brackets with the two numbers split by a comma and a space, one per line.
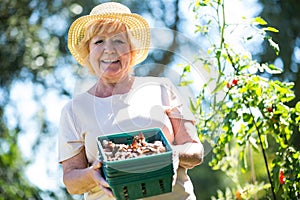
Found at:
[186, 143]
[79, 178]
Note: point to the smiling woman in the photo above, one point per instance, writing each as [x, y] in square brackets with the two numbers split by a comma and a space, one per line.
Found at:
[110, 52]
[106, 35]
[109, 42]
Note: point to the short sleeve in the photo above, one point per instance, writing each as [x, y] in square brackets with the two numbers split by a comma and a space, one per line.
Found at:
[175, 104]
[70, 141]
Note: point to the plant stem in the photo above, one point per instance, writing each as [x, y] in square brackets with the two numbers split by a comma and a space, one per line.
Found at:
[264, 155]
[252, 168]
[252, 165]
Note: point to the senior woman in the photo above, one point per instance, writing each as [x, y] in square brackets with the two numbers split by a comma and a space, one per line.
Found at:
[109, 42]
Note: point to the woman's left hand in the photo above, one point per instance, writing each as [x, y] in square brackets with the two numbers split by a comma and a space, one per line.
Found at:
[186, 143]
[190, 154]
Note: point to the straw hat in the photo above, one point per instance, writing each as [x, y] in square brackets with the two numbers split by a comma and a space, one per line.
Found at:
[136, 24]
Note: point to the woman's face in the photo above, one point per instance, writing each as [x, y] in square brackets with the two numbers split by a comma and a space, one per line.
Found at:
[110, 55]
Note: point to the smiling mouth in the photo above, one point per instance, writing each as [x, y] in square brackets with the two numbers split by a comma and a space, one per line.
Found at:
[110, 61]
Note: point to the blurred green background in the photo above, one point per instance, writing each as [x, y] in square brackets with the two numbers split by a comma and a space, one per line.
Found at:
[38, 75]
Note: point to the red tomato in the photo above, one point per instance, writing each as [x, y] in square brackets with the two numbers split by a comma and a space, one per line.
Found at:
[281, 177]
[235, 82]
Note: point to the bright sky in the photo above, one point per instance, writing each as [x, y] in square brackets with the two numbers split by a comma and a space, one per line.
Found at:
[45, 171]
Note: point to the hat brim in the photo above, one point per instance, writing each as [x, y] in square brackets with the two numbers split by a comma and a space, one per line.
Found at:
[136, 24]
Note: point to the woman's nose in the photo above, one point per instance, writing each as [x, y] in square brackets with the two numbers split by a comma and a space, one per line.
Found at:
[109, 47]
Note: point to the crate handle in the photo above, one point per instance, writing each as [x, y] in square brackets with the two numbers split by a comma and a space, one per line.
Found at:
[125, 192]
[144, 190]
[161, 185]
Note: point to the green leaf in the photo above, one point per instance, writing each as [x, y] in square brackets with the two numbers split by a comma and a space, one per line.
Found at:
[186, 83]
[187, 68]
[274, 45]
[197, 4]
[253, 143]
[297, 107]
[219, 87]
[272, 69]
[296, 155]
[271, 29]
[192, 107]
[288, 97]
[243, 159]
[287, 132]
[259, 20]
[258, 91]
[201, 29]
[297, 121]
[246, 117]
[206, 67]
[264, 141]
[201, 3]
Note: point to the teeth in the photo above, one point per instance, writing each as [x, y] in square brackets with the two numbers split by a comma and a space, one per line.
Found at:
[109, 61]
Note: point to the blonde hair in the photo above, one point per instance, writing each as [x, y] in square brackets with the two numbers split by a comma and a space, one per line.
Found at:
[100, 27]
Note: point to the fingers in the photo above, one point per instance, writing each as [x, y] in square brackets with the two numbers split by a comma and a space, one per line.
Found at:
[104, 186]
[101, 181]
[107, 191]
[96, 165]
[187, 166]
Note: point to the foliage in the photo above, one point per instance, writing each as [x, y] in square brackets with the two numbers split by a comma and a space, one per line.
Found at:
[247, 112]
[11, 164]
[29, 49]
[248, 191]
[288, 39]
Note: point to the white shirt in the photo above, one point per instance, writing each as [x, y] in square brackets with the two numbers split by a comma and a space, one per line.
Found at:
[150, 103]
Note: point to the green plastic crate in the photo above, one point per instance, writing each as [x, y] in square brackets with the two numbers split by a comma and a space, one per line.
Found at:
[136, 176]
[139, 164]
[139, 177]
[142, 188]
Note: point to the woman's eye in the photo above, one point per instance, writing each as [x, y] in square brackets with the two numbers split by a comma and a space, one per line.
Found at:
[119, 41]
[99, 42]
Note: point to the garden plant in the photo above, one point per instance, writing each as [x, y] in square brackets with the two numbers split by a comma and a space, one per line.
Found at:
[246, 116]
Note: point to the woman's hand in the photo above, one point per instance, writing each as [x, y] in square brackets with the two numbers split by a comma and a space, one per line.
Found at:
[190, 154]
[79, 178]
[102, 182]
[186, 143]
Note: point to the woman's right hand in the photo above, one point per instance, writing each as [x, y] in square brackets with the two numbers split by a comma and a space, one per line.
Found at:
[99, 178]
[79, 179]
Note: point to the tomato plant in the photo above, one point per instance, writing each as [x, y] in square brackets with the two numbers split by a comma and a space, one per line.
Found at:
[246, 112]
